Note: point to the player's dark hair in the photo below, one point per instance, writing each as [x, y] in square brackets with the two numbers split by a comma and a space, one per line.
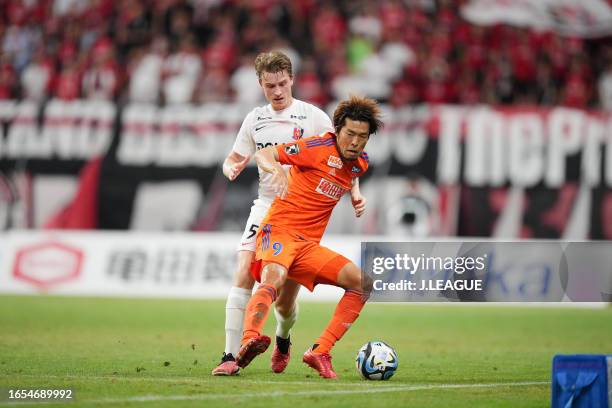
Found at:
[273, 62]
[358, 109]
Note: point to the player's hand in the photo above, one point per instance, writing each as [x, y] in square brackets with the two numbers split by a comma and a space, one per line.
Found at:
[280, 182]
[359, 204]
[235, 169]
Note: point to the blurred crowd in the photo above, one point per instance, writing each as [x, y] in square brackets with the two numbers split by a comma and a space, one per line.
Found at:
[201, 51]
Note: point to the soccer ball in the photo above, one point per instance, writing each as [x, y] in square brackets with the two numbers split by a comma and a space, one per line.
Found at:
[376, 360]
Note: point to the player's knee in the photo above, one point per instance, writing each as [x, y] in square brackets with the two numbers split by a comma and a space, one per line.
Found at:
[285, 309]
[274, 274]
[244, 281]
[351, 277]
[243, 278]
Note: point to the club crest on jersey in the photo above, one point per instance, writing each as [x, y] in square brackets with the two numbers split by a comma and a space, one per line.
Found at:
[298, 132]
[329, 189]
[334, 161]
[292, 149]
[355, 169]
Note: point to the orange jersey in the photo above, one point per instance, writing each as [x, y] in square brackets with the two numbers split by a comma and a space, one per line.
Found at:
[317, 180]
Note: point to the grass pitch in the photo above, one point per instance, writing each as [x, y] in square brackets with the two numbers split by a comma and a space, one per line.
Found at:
[159, 353]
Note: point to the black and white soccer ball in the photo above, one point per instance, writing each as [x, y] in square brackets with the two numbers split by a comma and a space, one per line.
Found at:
[376, 360]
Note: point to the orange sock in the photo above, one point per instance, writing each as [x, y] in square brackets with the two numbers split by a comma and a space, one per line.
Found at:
[257, 310]
[346, 313]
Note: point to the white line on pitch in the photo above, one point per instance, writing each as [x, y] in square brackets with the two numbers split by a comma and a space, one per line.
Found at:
[275, 394]
[204, 380]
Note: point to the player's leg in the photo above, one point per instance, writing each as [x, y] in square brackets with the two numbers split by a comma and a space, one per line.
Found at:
[273, 276]
[237, 300]
[333, 268]
[235, 306]
[240, 292]
[286, 311]
[357, 288]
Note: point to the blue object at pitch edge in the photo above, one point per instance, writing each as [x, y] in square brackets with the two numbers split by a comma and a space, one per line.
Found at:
[582, 381]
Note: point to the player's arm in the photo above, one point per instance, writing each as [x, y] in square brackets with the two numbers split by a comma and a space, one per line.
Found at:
[268, 160]
[243, 149]
[357, 199]
[233, 165]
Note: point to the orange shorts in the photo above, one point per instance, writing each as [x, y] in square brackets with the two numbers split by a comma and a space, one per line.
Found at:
[308, 262]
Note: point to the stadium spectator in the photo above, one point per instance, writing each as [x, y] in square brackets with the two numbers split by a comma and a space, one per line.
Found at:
[67, 85]
[309, 86]
[101, 79]
[7, 79]
[181, 70]
[145, 71]
[328, 28]
[214, 86]
[404, 93]
[246, 90]
[605, 88]
[19, 43]
[132, 26]
[347, 40]
[545, 88]
[576, 91]
[36, 77]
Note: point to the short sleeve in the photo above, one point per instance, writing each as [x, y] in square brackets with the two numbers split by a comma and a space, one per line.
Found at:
[302, 153]
[321, 123]
[364, 162]
[360, 166]
[244, 144]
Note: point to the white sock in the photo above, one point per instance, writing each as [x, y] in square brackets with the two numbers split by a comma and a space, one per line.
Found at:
[284, 324]
[237, 300]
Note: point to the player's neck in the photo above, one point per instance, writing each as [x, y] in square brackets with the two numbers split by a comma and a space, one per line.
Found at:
[286, 106]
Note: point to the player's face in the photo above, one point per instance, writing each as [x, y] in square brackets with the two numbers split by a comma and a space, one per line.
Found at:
[352, 138]
[277, 89]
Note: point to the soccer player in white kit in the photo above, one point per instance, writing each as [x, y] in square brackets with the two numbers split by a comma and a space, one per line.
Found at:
[283, 120]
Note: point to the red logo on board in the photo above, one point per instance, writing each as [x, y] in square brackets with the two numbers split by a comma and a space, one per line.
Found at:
[47, 264]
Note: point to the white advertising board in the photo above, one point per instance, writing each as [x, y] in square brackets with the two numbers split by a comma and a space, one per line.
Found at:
[192, 265]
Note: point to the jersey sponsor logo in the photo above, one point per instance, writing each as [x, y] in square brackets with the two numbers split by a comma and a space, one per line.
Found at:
[329, 189]
[355, 169]
[258, 128]
[300, 117]
[260, 146]
[298, 132]
[334, 161]
[292, 149]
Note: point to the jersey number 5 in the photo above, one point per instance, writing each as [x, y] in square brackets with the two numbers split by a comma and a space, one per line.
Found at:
[253, 230]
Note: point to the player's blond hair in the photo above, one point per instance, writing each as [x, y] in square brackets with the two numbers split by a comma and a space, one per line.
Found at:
[273, 62]
[359, 109]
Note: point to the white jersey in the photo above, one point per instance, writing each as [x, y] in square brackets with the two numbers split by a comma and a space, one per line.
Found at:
[264, 127]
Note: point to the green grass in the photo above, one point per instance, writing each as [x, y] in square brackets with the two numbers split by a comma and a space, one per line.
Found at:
[113, 351]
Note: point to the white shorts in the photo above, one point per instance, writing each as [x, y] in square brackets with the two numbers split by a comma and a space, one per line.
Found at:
[249, 236]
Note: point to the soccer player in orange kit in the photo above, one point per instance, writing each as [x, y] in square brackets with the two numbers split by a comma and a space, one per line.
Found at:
[284, 119]
[323, 169]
